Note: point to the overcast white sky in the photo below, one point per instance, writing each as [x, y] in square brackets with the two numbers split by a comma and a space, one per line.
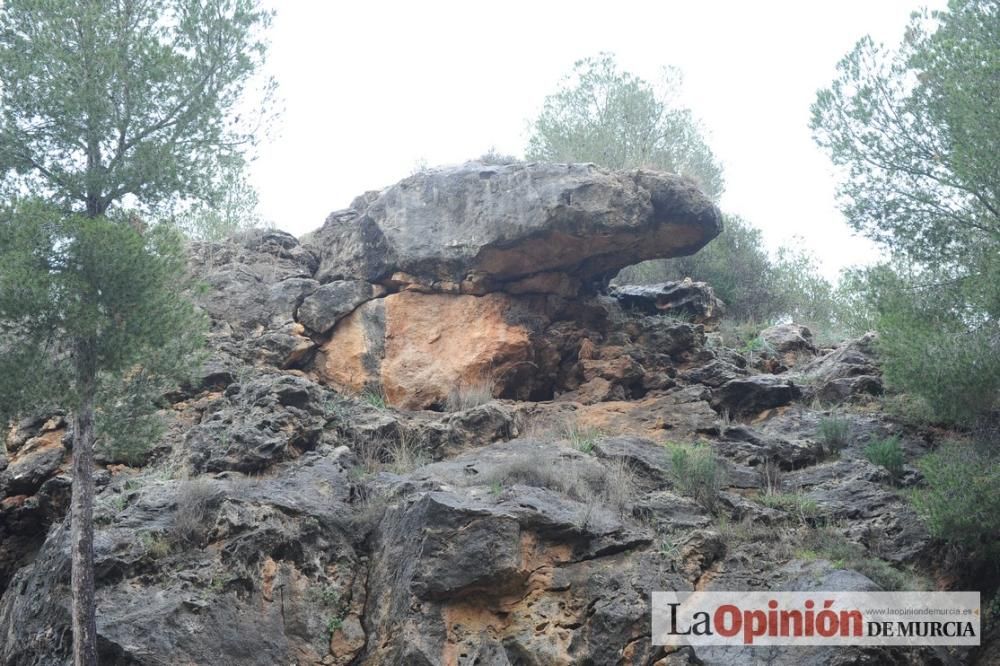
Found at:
[371, 88]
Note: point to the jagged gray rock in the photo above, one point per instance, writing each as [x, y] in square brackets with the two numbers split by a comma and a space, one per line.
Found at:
[521, 228]
[330, 303]
[686, 298]
[745, 396]
[280, 521]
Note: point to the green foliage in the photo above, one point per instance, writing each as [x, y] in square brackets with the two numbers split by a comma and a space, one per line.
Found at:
[107, 100]
[696, 472]
[334, 624]
[582, 437]
[754, 285]
[887, 453]
[938, 338]
[66, 279]
[495, 157]
[327, 595]
[374, 397]
[918, 133]
[232, 210]
[613, 118]
[960, 501]
[156, 545]
[834, 433]
[804, 509]
[829, 543]
[736, 264]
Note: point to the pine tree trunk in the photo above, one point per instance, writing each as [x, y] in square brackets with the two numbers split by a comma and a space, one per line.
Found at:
[82, 517]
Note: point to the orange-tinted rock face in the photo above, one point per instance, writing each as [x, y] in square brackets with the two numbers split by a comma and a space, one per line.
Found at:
[351, 357]
[418, 347]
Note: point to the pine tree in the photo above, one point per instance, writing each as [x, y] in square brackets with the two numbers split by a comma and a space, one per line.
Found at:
[613, 118]
[108, 107]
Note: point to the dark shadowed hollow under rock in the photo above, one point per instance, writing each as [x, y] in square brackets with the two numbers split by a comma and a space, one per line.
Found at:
[429, 435]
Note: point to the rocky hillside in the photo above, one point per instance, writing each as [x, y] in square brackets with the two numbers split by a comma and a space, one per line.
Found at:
[431, 434]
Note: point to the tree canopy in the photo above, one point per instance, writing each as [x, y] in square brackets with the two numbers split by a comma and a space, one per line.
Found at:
[134, 98]
[917, 132]
[611, 117]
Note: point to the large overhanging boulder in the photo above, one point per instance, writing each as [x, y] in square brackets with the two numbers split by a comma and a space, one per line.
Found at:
[442, 282]
[517, 228]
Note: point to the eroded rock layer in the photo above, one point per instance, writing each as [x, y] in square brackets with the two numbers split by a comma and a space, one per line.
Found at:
[293, 513]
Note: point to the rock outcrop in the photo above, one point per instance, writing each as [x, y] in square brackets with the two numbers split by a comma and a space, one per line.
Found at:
[417, 347]
[847, 373]
[472, 257]
[518, 228]
[686, 299]
[305, 507]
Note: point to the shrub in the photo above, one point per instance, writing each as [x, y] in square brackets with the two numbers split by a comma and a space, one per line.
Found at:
[374, 396]
[834, 434]
[611, 485]
[495, 157]
[569, 479]
[960, 500]
[827, 542]
[804, 509]
[619, 485]
[938, 338]
[582, 437]
[887, 453]
[696, 472]
[738, 333]
[156, 545]
[369, 506]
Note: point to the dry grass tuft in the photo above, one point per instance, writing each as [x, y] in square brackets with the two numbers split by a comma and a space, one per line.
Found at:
[471, 394]
[194, 500]
[398, 453]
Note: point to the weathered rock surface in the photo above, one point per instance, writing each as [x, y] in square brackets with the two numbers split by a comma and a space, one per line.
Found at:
[793, 343]
[34, 489]
[749, 395]
[255, 425]
[286, 519]
[696, 300]
[417, 347]
[847, 373]
[331, 302]
[540, 228]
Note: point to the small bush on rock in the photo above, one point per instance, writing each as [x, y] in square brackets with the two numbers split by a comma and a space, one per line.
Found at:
[887, 453]
[804, 509]
[582, 437]
[829, 543]
[399, 453]
[612, 485]
[771, 477]
[696, 472]
[960, 501]
[834, 433]
[375, 397]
